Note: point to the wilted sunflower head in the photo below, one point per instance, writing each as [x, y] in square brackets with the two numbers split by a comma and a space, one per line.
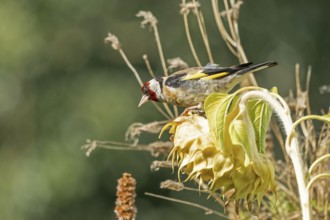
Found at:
[225, 149]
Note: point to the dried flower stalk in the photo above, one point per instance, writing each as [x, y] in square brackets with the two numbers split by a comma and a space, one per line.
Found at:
[185, 9]
[149, 18]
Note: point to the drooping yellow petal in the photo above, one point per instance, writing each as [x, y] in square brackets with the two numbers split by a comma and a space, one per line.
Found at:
[225, 149]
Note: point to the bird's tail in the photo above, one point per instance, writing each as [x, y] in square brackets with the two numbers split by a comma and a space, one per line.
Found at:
[240, 72]
[249, 67]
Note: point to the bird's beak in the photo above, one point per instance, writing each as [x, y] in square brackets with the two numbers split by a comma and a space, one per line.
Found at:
[143, 100]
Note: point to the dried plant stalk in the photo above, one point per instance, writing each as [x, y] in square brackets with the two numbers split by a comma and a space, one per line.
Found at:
[185, 9]
[207, 210]
[146, 60]
[155, 148]
[232, 40]
[149, 18]
[202, 28]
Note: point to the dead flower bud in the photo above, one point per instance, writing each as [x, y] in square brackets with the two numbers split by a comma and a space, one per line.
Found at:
[157, 164]
[176, 62]
[148, 18]
[135, 130]
[172, 185]
[160, 147]
[90, 146]
[189, 6]
[113, 40]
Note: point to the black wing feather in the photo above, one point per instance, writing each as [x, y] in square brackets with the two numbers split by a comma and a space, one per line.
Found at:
[212, 69]
[174, 81]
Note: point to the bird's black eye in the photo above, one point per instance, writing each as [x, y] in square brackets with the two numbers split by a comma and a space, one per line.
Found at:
[145, 88]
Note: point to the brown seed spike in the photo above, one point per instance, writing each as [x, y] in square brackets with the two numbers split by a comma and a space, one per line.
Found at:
[125, 203]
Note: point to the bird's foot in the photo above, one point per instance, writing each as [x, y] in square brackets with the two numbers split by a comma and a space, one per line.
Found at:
[193, 110]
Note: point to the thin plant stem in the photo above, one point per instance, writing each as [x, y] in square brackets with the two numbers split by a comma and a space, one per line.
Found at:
[161, 111]
[299, 113]
[232, 41]
[202, 29]
[213, 195]
[243, 59]
[146, 60]
[300, 120]
[208, 48]
[224, 34]
[208, 211]
[176, 111]
[230, 22]
[316, 162]
[220, 25]
[136, 74]
[168, 110]
[191, 45]
[325, 132]
[160, 50]
[289, 193]
[93, 144]
[315, 178]
[308, 109]
[309, 74]
[162, 59]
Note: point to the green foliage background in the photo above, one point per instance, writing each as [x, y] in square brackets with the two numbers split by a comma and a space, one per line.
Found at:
[60, 84]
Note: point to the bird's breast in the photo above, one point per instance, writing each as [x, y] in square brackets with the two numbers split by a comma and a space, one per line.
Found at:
[191, 92]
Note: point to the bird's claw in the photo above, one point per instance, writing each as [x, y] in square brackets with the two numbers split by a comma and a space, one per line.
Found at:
[193, 110]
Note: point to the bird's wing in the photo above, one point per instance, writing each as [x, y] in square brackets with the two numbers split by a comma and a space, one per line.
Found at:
[214, 71]
[210, 71]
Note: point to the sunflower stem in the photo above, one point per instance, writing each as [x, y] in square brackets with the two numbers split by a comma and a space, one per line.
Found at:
[282, 110]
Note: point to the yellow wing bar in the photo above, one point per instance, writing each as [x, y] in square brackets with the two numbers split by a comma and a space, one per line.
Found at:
[214, 76]
[196, 75]
[204, 76]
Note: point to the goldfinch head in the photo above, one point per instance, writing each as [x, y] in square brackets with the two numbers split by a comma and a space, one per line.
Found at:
[151, 91]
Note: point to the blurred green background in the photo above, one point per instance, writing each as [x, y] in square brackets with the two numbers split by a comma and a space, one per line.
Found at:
[60, 84]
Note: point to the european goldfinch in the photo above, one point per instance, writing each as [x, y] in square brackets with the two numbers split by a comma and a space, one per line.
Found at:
[190, 87]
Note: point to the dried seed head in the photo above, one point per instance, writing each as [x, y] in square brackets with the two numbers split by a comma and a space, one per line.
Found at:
[125, 203]
[113, 40]
[172, 185]
[134, 130]
[90, 146]
[157, 164]
[148, 18]
[233, 11]
[324, 89]
[160, 147]
[189, 6]
[177, 62]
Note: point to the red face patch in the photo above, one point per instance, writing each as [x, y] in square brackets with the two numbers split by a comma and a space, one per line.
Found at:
[152, 95]
[147, 91]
